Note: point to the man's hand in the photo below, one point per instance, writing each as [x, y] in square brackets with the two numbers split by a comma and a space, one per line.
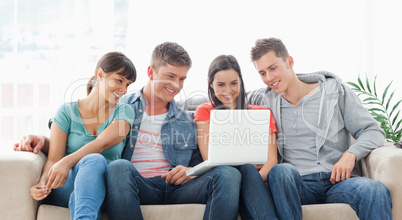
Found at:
[31, 143]
[177, 176]
[343, 168]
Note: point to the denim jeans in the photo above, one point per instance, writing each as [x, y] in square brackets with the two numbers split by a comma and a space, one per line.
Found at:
[369, 198]
[127, 190]
[85, 189]
[256, 201]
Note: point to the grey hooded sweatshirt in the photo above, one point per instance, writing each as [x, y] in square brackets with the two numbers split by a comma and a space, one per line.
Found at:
[341, 114]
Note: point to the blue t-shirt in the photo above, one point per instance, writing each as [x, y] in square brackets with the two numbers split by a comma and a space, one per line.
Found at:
[69, 120]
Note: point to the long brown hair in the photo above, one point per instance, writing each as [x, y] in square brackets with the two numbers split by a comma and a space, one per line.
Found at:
[224, 62]
[112, 62]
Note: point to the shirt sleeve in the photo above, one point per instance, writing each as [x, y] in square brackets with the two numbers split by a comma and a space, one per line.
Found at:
[203, 112]
[62, 118]
[124, 112]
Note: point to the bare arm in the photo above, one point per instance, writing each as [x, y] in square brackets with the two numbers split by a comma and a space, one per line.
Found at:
[272, 157]
[57, 150]
[112, 135]
[203, 138]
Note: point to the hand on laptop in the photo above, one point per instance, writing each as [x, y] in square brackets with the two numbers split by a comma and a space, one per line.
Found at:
[177, 176]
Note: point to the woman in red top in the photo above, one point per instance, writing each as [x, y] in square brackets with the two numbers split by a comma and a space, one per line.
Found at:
[226, 91]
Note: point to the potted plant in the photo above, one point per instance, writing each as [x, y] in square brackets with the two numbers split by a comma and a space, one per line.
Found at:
[380, 107]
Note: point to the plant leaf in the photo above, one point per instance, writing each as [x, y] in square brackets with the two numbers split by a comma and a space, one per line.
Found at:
[381, 117]
[397, 125]
[356, 87]
[370, 99]
[389, 100]
[395, 106]
[376, 109]
[360, 83]
[374, 86]
[398, 136]
[368, 84]
[385, 92]
[396, 117]
[372, 103]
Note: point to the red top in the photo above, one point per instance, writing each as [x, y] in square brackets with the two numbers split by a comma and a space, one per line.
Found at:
[203, 113]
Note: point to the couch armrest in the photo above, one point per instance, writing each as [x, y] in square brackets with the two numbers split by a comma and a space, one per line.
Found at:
[18, 172]
[385, 164]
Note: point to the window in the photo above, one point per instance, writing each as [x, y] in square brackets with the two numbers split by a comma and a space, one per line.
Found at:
[48, 51]
[49, 48]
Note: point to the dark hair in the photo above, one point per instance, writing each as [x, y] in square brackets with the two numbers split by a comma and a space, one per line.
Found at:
[112, 62]
[170, 53]
[263, 46]
[225, 62]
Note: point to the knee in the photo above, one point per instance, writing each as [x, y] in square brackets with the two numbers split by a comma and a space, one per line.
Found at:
[227, 173]
[248, 172]
[376, 188]
[96, 160]
[283, 171]
[246, 168]
[119, 167]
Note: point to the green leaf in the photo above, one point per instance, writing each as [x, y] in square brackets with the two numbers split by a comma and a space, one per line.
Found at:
[389, 100]
[385, 92]
[376, 109]
[381, 104]
[372, 103]
[395, 106]
[370, 99]
[398, 136]
[360, 83]
[381, 117]
[397, 125]
[374, 85]
[396, 117]
[356, 87]
[368, 84]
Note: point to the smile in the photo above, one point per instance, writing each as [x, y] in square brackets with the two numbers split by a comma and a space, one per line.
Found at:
[118, 96]
[275, 84]
[169, 90]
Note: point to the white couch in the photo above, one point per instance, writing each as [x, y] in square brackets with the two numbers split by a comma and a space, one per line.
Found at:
[20, 170]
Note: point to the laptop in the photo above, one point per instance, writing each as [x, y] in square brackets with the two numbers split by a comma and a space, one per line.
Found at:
[236, 137]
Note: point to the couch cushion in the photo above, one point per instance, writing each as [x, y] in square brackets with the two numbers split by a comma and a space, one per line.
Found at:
[196, 211]
[334, 211]
[193, 102]
[176, 212]
[19, 171]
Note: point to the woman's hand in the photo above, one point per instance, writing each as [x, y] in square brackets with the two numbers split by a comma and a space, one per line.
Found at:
[39, 191]
[58, 174]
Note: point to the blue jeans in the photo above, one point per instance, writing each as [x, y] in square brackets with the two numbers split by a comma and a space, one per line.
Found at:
[256, 201]
[85, 189]
[127, 190]
[369, 198]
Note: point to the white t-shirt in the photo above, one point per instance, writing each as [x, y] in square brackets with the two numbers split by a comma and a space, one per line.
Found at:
[148, 157]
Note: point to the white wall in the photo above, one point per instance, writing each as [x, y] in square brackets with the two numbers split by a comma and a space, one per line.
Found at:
[345, 37]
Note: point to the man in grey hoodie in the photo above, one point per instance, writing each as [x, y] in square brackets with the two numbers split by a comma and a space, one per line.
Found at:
[315, 115]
